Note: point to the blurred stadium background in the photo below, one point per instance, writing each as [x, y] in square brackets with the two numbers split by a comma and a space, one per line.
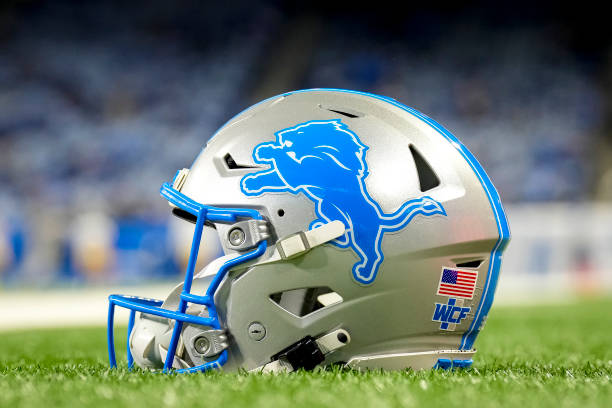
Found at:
[100, 102]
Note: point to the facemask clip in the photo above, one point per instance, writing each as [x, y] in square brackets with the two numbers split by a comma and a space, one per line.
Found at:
[247, 234]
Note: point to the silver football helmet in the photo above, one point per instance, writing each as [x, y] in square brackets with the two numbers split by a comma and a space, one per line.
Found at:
[355, 231]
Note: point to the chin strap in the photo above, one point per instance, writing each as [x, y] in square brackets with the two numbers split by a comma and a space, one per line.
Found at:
[303, 241]
[306, 353]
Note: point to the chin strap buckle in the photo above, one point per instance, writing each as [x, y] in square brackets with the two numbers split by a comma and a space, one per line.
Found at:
[303, 241]
[306, 353]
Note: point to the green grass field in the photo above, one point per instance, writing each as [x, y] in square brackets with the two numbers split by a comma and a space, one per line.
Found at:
[549, 356]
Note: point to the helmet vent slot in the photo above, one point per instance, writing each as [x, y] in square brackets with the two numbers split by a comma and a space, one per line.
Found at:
[184, 215]
[349, 113]
[302, 302]
[427, 178]
[470, 264]
[232, 165]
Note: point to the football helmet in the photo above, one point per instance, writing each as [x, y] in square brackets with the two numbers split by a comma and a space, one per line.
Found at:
[355, 231]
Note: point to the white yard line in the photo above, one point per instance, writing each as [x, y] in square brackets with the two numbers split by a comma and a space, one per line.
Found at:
[68, 307]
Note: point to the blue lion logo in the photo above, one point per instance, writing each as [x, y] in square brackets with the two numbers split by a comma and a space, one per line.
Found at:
[325, 161]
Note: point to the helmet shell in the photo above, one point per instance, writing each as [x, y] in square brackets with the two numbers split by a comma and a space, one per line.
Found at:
[391, 310]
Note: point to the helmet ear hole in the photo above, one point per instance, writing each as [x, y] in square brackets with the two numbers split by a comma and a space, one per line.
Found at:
[281, 212]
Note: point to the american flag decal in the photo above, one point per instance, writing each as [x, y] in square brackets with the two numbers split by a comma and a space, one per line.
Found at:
[458, 283]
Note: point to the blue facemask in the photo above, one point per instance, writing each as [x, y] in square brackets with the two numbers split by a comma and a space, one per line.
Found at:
[202, 213]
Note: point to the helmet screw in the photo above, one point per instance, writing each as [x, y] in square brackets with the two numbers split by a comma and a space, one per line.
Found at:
[236, 236]
[201, 345]
[257, 331]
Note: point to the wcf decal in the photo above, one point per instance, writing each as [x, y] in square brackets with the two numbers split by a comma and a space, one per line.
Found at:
[449, 313]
